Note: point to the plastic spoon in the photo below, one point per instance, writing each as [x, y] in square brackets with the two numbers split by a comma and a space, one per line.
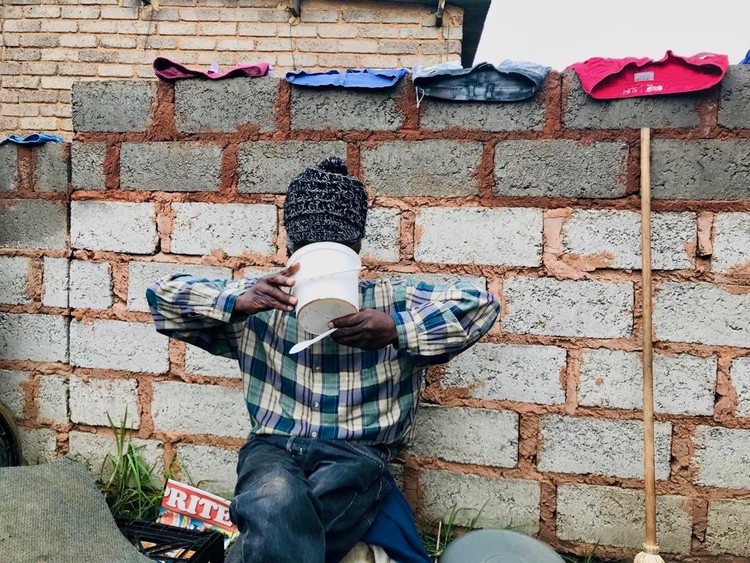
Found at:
[305, 344]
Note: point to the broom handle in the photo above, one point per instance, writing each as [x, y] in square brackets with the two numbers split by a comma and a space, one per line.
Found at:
[648, 376]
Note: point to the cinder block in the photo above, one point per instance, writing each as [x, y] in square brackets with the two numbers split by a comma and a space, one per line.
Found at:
[122, 106]
[97, 452]
[52, 399]
[552, 307]
[12, 394]
[200, 362]
[613, 238]
[8, 154]
[182, 407]
[505, 237]
[346, 110]
[93, 400]
[611, 516]
[740, 374]
[730, 244]
[215, 468]
[728, 530]
[113, 226]
[14, 277]
[38, 445]
[118, 345]
[683, 384]
[170, 167]
[382, 235]
[41, 338]
[467, 435]
[33, 224]
[503, 502]
[700, 169]
[734, 105]
[55, 282]
[526, 115]
[721, 457]
[226, 105]
[661, 112]
[437, 168]
[90, 285]
[87, 165]
[269, 166]
[602, 447]
[503, 372]
[702, 313]
[560, 169]
[51, 168]
[235, 228]
[143, 274]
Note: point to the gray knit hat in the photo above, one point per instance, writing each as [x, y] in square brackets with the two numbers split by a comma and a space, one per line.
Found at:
[325, 204]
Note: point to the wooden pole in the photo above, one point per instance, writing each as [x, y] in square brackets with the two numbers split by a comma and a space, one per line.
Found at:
[650, 552]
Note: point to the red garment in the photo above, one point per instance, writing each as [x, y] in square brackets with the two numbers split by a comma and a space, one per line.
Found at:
[608, 79]
[170, 70]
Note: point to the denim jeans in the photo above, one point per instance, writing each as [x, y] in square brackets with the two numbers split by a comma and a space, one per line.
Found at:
[299, 500]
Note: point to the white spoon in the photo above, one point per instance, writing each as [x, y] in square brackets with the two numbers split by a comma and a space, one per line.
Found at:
[305, 344]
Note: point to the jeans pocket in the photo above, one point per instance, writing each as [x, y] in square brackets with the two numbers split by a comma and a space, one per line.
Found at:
[375, 455]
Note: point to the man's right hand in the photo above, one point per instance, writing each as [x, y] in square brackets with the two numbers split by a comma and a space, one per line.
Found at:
[268, 293]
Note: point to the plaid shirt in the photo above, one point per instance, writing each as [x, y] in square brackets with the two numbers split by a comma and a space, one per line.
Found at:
[329, 391]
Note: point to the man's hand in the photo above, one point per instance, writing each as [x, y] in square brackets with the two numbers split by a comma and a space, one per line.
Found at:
[268, 293]
[368, 329]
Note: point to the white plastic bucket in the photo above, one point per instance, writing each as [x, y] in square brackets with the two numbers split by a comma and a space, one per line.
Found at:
[327, 284]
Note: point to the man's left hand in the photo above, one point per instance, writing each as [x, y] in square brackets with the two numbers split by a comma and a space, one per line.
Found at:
[368, 329]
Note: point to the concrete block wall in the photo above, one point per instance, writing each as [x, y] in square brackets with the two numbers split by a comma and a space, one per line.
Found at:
[50, 44]
[536, 201]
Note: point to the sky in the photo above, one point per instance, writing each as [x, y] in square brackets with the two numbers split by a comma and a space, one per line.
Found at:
[558, 33]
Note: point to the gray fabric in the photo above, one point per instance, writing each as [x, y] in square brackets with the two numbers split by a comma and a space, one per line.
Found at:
[54, 513]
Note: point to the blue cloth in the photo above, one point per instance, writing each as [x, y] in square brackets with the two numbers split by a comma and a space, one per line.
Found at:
[33, 139]
[510, 81]
[746, 60]
[301, 499]
[370, 78]
[394, 530]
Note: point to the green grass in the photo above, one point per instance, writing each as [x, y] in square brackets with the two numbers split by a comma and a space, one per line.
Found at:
[438, 535]
[129, 484]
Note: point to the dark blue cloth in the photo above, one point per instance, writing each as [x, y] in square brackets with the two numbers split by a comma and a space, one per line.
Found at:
[746, 60]
[370, 78]
[300, 499]
[33, 139]
[510, 81]
[394, 530]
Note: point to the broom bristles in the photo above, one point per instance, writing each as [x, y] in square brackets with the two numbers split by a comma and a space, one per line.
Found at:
[650, 554]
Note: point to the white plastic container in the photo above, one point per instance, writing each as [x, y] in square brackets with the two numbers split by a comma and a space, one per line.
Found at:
[327, 284]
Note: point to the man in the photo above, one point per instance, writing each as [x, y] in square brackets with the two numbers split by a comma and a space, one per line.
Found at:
[325, 422]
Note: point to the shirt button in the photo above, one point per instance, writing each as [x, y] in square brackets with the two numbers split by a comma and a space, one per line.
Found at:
[317, 368]
[314, 434]
[316, 404]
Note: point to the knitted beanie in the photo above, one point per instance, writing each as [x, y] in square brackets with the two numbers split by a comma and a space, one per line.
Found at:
[325, 204]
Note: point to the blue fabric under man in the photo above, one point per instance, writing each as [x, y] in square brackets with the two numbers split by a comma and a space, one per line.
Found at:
[325, 422]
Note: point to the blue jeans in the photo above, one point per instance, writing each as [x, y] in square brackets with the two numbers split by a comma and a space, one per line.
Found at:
[299, 500]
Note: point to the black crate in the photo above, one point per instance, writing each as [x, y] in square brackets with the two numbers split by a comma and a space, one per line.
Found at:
[171, 544]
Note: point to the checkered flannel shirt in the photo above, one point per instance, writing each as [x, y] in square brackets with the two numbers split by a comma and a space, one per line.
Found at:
[328, 391]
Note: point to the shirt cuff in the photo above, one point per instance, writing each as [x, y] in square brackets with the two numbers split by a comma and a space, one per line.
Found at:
[407, 330]
[224, 304]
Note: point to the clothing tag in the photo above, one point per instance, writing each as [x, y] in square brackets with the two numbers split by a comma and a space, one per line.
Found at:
[643, 76]
[214, 67]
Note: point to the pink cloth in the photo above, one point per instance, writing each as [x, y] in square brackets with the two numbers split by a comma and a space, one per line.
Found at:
[608, 79]
[170, 70]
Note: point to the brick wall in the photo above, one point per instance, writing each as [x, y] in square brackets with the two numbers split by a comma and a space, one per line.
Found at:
[49, 44]
[537, 200]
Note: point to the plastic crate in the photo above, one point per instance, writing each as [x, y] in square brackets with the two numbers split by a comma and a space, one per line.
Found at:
[171, 544]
